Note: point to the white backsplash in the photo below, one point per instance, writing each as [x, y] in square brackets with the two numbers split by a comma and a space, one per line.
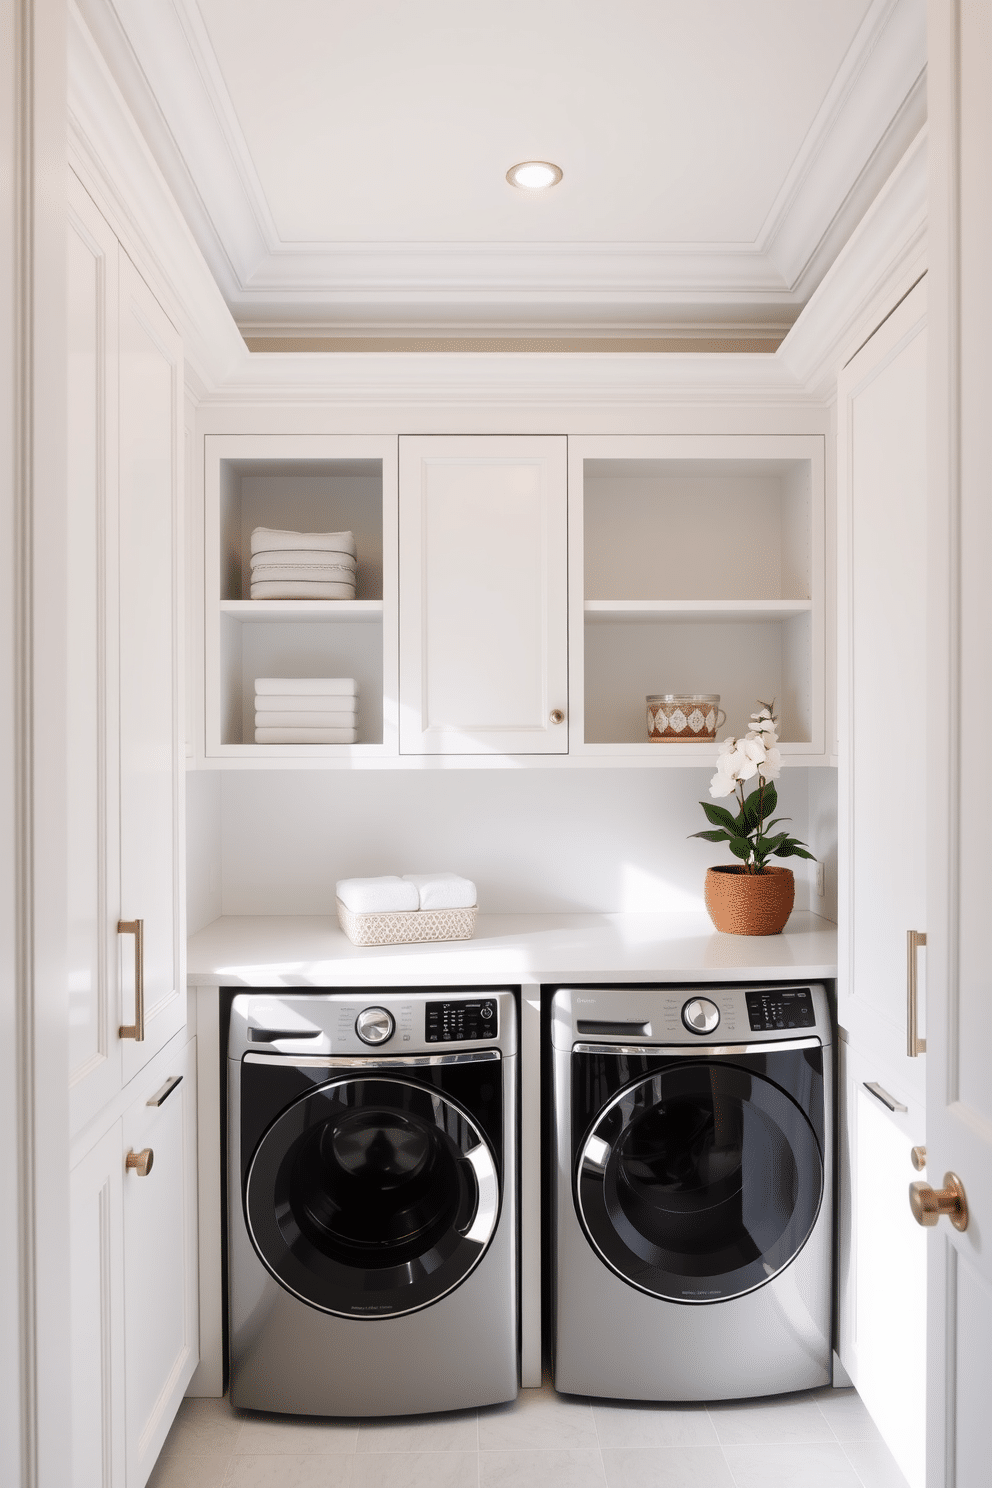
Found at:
[532, 840]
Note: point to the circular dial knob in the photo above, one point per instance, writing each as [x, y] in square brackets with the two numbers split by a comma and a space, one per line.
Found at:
[700, 1015]
[374, 1025]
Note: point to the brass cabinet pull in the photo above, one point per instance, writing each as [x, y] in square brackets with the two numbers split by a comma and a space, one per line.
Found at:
[161, 1096]
[135, 1030]
[914, 1044]
[918, 1157]
[888, 1101]
[140, 1162]
[556, 715]
[928, 1204]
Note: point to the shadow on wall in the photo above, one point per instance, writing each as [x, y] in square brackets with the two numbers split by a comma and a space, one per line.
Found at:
[534, 841]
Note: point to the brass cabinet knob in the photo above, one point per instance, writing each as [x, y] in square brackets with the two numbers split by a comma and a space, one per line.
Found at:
[918, 1157]
[928, 1204]
[557, 716]
[141, 1161]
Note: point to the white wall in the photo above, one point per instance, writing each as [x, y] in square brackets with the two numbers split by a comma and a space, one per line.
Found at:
[533, 840]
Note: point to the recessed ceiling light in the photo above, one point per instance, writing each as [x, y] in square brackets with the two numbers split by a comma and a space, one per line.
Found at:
[534, 175]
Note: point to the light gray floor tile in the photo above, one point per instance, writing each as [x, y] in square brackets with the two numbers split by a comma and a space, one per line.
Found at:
[538, 1419]
[456, 1431]
[266, 1435]
[792, 1465]
[874, 1464]
[761, 1422]
[847, 1416]
[416, 1470]
[203, 1426]
[652, 1426]
[310, 1470]
[185, 1471]
[542, 1468]
[666, 1467]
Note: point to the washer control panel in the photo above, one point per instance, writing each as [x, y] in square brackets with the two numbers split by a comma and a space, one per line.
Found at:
[455, 1021]
[788, 1007]
[700, 1015]
[374, 1025]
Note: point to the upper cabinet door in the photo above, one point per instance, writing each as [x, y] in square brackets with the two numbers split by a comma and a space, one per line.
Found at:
[151, 777]
[483, 622]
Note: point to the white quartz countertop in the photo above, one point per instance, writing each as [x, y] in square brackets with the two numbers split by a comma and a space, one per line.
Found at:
[312, 951]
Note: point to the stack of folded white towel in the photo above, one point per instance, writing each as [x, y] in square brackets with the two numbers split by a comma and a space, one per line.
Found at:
[302, 565]
[411, 892]
[306, 710]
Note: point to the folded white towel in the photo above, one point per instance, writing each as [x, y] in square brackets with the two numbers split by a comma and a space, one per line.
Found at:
[309, 556]
[377, 895]
[285, 718]
[305, 687]
[299, 589]
[317, 703]
[307, 573]
[269, 539]
[443, 890]
[306, 736]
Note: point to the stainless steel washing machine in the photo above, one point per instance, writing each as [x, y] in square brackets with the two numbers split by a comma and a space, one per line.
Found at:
[372, 1201]
[692, 1206]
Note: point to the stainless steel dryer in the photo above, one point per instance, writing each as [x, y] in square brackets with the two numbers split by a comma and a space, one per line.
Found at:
[692, 1191]
[372, 1201]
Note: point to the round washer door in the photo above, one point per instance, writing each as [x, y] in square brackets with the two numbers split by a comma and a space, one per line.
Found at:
[699, 1182]
[372, 1197]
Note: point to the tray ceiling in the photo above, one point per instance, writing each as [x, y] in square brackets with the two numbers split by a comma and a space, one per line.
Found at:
[342, 166]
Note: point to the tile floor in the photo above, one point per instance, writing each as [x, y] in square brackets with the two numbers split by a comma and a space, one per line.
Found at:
[821, 1439]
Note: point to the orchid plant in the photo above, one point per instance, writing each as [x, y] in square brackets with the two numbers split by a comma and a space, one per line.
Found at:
[750, 834]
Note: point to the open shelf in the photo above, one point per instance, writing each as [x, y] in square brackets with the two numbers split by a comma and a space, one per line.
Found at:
[696, 567]
[312, 483]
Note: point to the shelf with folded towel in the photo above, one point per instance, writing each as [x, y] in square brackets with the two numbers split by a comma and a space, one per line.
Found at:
[296, 609]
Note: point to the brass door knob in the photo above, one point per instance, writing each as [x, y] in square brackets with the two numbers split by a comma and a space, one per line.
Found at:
[141, 1161]
[557, 716]
[918, 1157]
[928, 1204]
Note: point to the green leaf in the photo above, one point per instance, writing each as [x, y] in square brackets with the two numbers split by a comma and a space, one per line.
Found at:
[792, 849]
[768, 845]
[741, 847]
[719, 815]
[715, 836]
[771, 798]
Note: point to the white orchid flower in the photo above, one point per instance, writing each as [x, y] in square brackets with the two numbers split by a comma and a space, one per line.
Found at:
[772, 767]
[722, 785]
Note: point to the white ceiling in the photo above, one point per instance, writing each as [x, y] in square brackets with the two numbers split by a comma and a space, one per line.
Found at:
[342, 165]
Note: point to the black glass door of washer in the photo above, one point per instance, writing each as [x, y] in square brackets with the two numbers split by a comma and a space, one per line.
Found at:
[371, 1196]
[699, 1181]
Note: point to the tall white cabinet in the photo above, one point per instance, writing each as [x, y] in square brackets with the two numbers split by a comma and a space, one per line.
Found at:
[883, 705]
[132, 1080]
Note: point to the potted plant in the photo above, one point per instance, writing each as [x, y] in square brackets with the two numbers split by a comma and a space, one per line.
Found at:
[750, 897]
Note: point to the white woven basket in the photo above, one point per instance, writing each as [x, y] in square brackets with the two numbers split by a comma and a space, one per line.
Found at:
[402, 927]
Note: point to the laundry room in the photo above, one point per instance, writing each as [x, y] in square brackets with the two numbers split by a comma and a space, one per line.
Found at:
[497, 550]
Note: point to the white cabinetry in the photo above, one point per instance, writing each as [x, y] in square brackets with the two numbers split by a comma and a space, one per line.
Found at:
[125, 784]
[483, 656]
[132, 1334]
[299, 483]
[134, 1294]
[883, 702]
[696, 566]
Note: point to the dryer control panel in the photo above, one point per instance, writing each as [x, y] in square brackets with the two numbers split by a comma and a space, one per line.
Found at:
[451, 1022]
[775, 1008]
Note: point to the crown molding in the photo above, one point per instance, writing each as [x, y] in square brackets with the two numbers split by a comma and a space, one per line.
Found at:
[879, 264]
[165, 67]
[109, 153]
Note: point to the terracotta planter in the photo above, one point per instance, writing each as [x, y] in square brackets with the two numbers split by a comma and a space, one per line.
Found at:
[743, 903]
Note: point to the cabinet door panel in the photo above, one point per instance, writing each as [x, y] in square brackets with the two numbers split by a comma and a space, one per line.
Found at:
[483, 595]
[160, 1293]
[96, 1324]
[91, 701]
[150, 775]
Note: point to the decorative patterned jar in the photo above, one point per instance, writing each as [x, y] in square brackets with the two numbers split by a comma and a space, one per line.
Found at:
[695, 716]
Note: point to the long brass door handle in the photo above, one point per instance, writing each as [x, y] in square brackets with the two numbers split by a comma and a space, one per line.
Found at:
[914, 1044]
[928, 1204]
[135, 1030]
